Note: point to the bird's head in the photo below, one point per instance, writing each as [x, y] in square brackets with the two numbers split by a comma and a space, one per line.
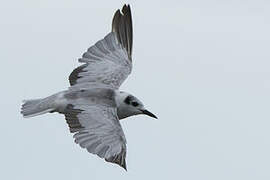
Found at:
[129, 105]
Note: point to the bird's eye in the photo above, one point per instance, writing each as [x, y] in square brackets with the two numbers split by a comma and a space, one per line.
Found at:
[135, 104]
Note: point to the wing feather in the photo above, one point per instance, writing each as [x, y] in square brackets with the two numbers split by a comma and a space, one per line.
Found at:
[122, 26]
[94, 121]
[107, 63]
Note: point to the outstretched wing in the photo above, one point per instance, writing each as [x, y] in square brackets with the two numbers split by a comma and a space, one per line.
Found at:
[108, 63]
[98, 130]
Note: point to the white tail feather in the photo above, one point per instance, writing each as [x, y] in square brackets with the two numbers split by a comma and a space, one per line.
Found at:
[35, 107]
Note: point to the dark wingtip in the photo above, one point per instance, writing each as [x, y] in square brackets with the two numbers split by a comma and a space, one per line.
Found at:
[122, 26]
[115, 160]
[123, 164]
[126, 8]
[119, 159]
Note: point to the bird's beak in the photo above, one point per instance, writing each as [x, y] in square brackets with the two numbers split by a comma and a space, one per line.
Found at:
[146, 112]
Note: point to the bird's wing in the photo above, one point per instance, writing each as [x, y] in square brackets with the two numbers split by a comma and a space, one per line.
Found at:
[97, 128]
[108, 63]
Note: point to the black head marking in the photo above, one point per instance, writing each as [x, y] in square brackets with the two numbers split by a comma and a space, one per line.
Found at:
[128, 100]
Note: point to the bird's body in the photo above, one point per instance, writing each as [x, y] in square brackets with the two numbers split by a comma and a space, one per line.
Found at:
[60, 101]
[93, 105]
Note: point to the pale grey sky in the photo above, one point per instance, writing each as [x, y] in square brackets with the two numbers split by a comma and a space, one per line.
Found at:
[201, 66]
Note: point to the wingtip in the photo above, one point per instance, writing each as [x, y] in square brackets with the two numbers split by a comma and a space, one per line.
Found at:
[125, 8]
[122, 26]
[124, 165]
[121, 164]
[125, 168]
[119, 159]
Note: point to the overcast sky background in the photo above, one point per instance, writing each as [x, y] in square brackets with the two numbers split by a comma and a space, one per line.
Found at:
[201, 66]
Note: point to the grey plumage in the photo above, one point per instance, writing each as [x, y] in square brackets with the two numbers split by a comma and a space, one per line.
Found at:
[36, 107]
[106, 66]
[93, 105]
[108, 62]
[92, 115]
[104, 135]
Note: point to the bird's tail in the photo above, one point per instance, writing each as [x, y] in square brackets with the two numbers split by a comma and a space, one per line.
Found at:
[35, 107]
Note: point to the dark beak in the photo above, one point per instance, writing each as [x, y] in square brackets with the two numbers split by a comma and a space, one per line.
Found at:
[144, 111]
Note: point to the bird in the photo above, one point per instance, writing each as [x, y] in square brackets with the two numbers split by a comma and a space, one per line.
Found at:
[93, 105]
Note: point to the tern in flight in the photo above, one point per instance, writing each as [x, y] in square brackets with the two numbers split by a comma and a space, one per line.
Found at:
[93, 104]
